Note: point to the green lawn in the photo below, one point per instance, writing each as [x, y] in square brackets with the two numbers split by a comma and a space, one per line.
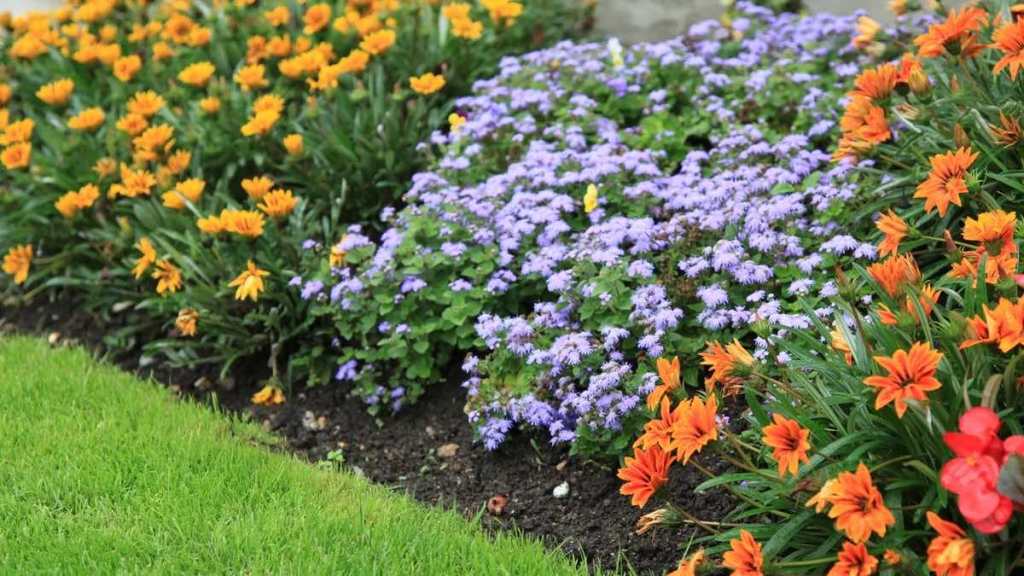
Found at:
[103, 474]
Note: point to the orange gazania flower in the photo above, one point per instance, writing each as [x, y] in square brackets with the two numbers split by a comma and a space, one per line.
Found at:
[857, 505]
[744, 559]
[316, 18]
[426, 84]
[268, 396]
[378, 42]
[257, 187]
[892, 557]
[956, 34]
[911, 74]
[910, 374]
[727, 364]
[87, 120]
[993, 231]
[669, 373]
[867, 29]
[789, 442]
[839, 344]
[17, 262]
[1009, 132]
[1003, 325]
[56, 93]
[197, 74]
[246, 223]
[947, 180]
[17, 156]
[895, 274]
[278, 203]
[167, 276]
[1009, 39]
[249, 284]
[145, 103]
[658, 431]
[694, 427]
[864, 126]
[688, 566]
[895, 229]
[187, 321]
[644, 474]
[876, 83]
[951, 553]
[854, 560]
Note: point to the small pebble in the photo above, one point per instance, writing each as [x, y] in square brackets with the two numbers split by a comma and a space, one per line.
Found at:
[561, 491]
[447, 450]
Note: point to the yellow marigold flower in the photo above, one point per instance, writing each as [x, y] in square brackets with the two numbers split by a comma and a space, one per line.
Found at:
[316, 18]
[187, 321]
[268, 102]
[378, 42]
[162, 51]
[190, 190]
[355, 61]
[268, 396]
[251, 77]
[178, 162]
[148, 257]
[249, 284]
[210, 225]
[87, 120]
[590, 199]
[293, 144]
[74, 201]
[134, 183]
[199, 37]
[178, 28]
[16, 132]
[278, 203]
[18, 261]
[260, 123]
[197, 74]
[105, 167]
[246, 223]
[145, 103]
[27, 47]
[467, 29]
[155, 139]
[108, 53]
[256, 49]
[17, 156]
[503, 10]
[167, 276]
[257, 187]
[108, 32]
[56, 93]
[210, 104]
[132, 124]
[427, 83]
[126, 67]
[279, 16]
[456, 11]
[280, 46]
[456, 121]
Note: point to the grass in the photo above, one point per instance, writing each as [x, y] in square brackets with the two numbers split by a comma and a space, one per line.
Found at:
[102, 474]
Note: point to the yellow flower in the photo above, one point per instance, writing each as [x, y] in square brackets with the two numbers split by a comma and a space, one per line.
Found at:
[145, 247]
[246, 223]
[16, 156]
[132, 124]
[162, 51]
[108, 53]
[87, 120]
[456, 121]
[27, 47]
[197, 74]
[210, 225]
[503, 10]
[249, 284]
[278, 16]
[210, 104]
[268, 396]
[268, 103]
[378, 42]
[167, 276]
[105, 167]
[74, 201]
[190, 190]
[134, 183]
[145, 103]
[16, 132]
[280, 46]
[467, 29]
[178, 162]
[427, 83]
[18, 261]
[278, 203]
[257, 187]
[260, 123]
[590, 199]
[153, 140]
[456, 11]
[251, 77]
[316, 18]
[356, 61]
[56, 93]
[126, 67]
[187, 321]
[293, 144]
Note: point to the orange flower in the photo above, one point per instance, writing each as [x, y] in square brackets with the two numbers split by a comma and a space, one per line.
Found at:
[426, 84]
[894, 274]
[378, 42]
[210, 104]
[727, 365]
[190, 190]
[242, 222]
[76, 200]
[644, 474]
[249, 284]
[669, 373]
[947, 180]
[867, 29]
[688, 566]
[17, 156]
[87, 120]
[876, 83]
[789, 441]
[126, 67]
[895, 229]
[17, 262]
[1009, 132]
[864, 127]
[994, 232]
[857, 505]
[1009, 39]
[951, 553]
[854, 560]
[257, 187]
[145, 103]
[1003, 325]
[839, 344]
[197, 74]
[168, 277]
[694, 427]
[187, 321]
[909, 376]
[56, 93]
[293, 144]
[268, 396]
[278, 203]
[251, 77]
[658, 432]
[911, 74]
[148, 257]
[745, 557]
[316, 18]
[892, 557]
[956, 35]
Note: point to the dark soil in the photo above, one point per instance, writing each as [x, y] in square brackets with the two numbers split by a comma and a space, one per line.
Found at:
[405, 452]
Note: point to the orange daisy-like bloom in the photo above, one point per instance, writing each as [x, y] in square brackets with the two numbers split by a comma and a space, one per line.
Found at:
[197, 74]
[190, 190]
[694, 427]
[658, 432]
[911, 74]
[426, 84]
[268, 396]
[910, 374]
[688, 566]
[854, 560]
[148, 257]
[167, 276]
[1009, 39]
[378, 42]
[644, 474]
[789, 443]
[145, 103]
[126, 67]
[864, 126]
[867, 29]
[316, 18]
[892, 557]
[17, 156]
[1003, 325]
[187, 321]
[947, 180]
[857, 505]
[246, 223]
[56, 93]
[744, 559]
[951, 553]
[895, 274]
[293, 144]
[18, 262]
[257, 187]
[669, 373]
[895, 230]
[727, 365]
[278, 203]
[994, 232]
[251, 77]
[75, 201]
[839, 344]
[956, 35]
[87, 120]
[876, 83]
[1009, 132]
[249, 284]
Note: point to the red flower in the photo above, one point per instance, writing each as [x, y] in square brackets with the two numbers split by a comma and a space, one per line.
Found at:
[974, 472]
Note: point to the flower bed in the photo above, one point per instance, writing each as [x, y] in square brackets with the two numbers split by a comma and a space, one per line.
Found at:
[164, 160]
[593, 208]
